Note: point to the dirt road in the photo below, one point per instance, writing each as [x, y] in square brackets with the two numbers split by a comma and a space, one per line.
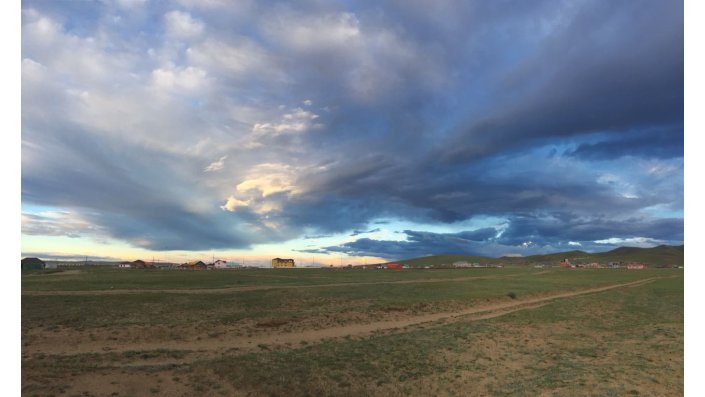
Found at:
[218, 345]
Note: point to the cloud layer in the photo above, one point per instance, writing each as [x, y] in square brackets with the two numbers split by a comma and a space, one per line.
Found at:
[204, 125]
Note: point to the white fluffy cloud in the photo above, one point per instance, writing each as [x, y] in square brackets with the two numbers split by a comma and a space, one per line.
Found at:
[187, 79]
[216, 165]
[270, 178]
[297, 120]
[314, 32]
[266, 188]
[236, 58]
[182, 25]
[643, 242]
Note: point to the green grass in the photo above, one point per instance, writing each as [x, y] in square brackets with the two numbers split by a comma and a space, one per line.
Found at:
[229, 308]
[615, 342]
[112, 278]
[573, 359]
[661, 255]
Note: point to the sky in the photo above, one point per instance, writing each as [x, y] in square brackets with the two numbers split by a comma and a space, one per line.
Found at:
[341, 132]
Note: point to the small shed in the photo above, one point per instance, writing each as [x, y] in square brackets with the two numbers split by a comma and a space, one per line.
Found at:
[33, 264]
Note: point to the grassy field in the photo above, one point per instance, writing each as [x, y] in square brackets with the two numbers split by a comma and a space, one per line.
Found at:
[110, 332]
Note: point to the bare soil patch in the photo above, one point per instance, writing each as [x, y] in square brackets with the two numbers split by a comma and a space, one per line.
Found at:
[65, 341]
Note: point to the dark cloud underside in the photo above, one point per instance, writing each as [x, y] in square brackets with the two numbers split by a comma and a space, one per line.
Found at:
[191, 126]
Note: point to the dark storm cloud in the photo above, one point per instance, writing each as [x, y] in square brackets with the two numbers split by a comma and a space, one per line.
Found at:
[417, 244]
[615, 66]
[430, 113]
[662, 143]
[427, 192]
[359, 232]
[524, 236]
[555, 228]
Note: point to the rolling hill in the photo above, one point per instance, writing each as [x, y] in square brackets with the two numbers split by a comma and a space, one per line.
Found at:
[660, 255]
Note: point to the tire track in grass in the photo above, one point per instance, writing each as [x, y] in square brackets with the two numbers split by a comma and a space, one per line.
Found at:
[242, 344]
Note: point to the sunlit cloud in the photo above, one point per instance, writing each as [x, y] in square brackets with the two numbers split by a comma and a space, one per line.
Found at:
[394, 129]
[216, 165]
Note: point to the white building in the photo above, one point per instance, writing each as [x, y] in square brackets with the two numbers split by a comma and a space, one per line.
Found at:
[220, 264]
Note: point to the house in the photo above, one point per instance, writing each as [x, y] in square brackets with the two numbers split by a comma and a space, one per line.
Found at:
[199, 265]
[380, 267]
[194, 265]
[138, 264]
[279, 262]
[636, 266]
[125, 265]
[33, 264]
[220, 264]
[593, 265]
[566, 263]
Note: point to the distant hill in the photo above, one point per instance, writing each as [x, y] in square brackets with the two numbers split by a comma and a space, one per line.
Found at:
[660, 255]
[438, 260]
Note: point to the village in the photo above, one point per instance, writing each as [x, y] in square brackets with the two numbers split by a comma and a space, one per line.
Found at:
[32, 263]
[565, 263]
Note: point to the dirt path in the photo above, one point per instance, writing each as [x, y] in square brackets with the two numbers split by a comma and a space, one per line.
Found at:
[250, 288]
[217, 346]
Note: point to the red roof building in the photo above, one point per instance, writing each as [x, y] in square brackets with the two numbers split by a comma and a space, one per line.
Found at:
[395, 266]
